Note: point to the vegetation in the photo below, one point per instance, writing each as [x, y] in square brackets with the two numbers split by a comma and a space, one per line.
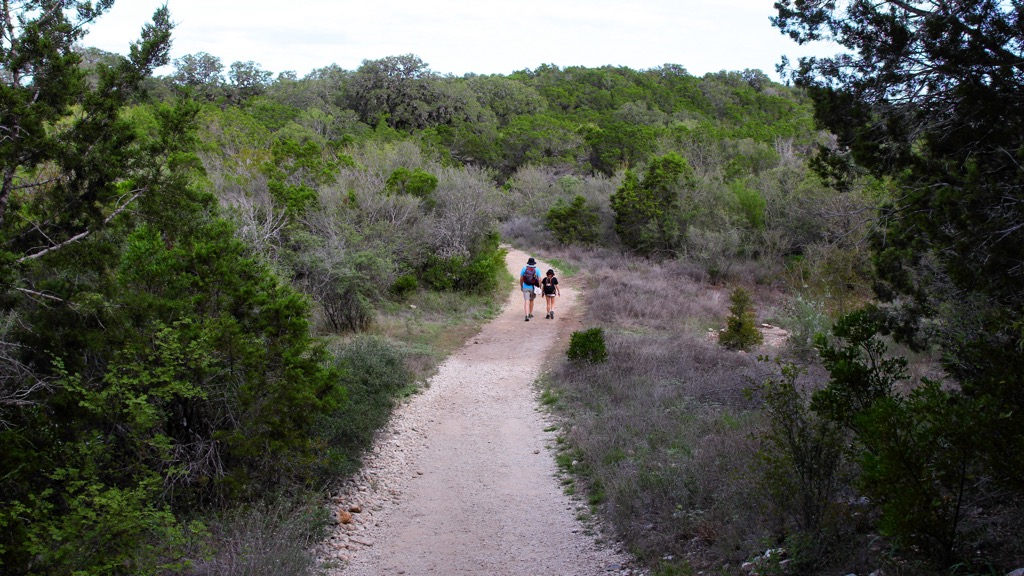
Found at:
[741, 330]
[215, 284]
[587, 346]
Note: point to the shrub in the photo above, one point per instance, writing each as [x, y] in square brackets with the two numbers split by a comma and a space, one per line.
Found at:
[804, 457]
[404, 285]
[575, 223]
[375, 373]
[587, 346]
[273, 538]
[478, 273]
[806, 320]
[741, 331]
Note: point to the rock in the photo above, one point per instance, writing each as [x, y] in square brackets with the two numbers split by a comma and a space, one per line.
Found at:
[355, 508]
[1017, 572]
[344, 516]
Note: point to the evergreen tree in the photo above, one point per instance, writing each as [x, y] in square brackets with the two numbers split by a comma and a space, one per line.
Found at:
[648, 214]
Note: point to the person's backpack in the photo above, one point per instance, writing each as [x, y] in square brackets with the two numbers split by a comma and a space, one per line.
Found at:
[530, 276]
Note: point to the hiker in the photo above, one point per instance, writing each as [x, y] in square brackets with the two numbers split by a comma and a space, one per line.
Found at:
[549, 284]
[529, 283]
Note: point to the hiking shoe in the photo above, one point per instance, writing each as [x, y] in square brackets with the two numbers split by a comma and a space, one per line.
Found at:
[530, 316]
[552, 314]
[527, 318]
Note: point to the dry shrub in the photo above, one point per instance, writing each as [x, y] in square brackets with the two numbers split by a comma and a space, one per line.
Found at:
[270, 539]
[664, 430]
[627, 292]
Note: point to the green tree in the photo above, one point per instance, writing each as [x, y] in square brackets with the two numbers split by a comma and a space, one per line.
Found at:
[741, 332]
[248, 79]
[201, 73]
[928, 96]
[147, 362]
[648, 213]
[575, 222]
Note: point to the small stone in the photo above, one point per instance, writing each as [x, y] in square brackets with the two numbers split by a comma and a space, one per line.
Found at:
[536, 451]
[355, 508]
[344, 517]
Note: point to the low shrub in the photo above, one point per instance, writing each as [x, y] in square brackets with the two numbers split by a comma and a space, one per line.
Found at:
[587, 346]
[374, 375]
[274, 538]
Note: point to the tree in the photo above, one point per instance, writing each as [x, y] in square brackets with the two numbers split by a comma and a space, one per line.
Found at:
[575, 222]
[199, 72]
[928, 97]
[648, 214]
[398, 90]
[148, 363]
[248, 78]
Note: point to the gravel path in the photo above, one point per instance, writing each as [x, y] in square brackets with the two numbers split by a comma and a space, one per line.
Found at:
[463, 479]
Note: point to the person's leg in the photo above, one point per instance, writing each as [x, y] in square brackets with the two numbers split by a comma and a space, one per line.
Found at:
[550, 301]
[527, 302]
[532, 298]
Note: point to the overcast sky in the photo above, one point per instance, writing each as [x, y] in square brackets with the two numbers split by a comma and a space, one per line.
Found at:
[462, 36]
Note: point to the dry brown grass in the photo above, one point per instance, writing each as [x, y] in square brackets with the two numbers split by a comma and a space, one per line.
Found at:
[663, 433]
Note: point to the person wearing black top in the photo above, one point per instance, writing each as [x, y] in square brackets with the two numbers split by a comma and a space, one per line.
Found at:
[550, 286]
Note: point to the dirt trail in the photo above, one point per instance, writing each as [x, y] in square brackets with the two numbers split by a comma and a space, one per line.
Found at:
[463, 480]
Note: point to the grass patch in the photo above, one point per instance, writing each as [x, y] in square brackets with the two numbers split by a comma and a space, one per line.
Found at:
[562, 267]
[433, 325]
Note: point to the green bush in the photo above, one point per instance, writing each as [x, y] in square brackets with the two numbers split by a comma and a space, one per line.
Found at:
[575, 223]
[375, 374]
[921, 454]
[741, 331]
[404, 285]
[806, 320]
[587, 346]
[478, 274]
[805, 461]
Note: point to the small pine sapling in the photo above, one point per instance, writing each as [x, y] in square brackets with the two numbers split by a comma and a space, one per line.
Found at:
[741, 331]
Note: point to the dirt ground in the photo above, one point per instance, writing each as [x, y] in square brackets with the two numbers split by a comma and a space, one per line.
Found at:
[463, 480]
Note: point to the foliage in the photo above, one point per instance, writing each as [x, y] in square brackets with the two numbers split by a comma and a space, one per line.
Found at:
[574, 223]
[805, 467]
[416, 182]
[587, 346]
[648, 213]
[920, 453]
[928, 96]
[478, 274]
[375, 375]
[741, 330]
[152, 367]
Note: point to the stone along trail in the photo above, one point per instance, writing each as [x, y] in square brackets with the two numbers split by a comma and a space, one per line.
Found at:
[463, 479]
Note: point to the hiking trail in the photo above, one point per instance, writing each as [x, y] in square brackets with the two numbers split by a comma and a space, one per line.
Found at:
[463, 479]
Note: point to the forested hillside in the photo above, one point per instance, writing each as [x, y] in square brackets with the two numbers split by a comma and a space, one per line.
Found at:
[208, 275]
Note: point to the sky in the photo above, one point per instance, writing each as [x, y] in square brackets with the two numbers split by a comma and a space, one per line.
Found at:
[461, 36]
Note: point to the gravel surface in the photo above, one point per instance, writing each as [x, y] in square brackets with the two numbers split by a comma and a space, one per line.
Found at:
[463, 479]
